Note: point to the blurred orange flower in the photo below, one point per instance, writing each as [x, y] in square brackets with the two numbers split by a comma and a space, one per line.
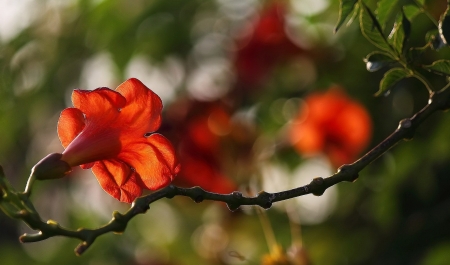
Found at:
[265, 46]
[331, 123]
[111, 132]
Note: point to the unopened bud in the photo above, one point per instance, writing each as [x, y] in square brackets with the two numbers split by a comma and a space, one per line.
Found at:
[51, 167]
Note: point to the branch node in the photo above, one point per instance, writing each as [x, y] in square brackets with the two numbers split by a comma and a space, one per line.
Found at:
[118, 217]
[199, 199]
[140, 208]
[198, 194]
[53, 224]
[265, 199]
[22, 214]
[348, 173]
[406, 124]
[171, 191]
[317, 186]
[232, 207]
[237, 196]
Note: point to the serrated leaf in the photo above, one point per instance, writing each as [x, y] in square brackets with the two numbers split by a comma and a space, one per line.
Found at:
[377, 60]
[371, 29]
[345, 9]
[400, 33]
[440, 67]
[391, 78]
[444, 26]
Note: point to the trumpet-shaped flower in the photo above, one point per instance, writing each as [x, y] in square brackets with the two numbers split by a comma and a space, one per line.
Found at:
[111, 131]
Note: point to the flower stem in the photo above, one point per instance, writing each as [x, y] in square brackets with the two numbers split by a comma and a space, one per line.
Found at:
[27, 191]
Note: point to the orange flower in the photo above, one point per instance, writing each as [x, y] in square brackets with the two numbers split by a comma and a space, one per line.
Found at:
[331, 123]
[112, 133]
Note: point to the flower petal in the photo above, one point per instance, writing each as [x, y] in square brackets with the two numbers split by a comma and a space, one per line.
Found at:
[100, 138]
[142, 112]
[87, 166]
[71, 122]
[118, 179]
[97, 103]
[153, 159]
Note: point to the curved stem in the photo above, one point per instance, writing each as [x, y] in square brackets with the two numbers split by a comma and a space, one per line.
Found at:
[424, 81]
[27, 191]
[416, 74]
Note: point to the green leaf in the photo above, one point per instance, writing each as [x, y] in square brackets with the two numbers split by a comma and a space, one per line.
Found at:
[400, 33]
[434, 38]
[377, 60]
[387, 10]
[391, 78]
[354, 15]
[371, 29]
[444, 26]
[416, 52]
[440, 67]
[345, 9]
[420, 3]
[411, 11]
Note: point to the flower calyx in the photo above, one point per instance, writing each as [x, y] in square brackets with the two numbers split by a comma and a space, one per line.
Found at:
[51, 167]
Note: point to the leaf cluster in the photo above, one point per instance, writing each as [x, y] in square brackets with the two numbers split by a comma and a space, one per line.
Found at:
[388, 28]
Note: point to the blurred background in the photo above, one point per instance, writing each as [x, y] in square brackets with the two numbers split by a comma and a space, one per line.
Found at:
[258, 95]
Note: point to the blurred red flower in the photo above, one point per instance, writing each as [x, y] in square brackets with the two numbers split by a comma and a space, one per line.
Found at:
[332, 123]
[265, 46]
[111, 132]
[201, 129]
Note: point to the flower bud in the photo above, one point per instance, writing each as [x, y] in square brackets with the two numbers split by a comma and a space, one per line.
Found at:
[51, 167]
